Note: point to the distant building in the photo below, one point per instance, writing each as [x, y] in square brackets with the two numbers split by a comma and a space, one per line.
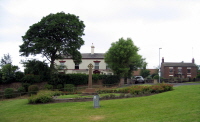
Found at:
[152, 71]
[96, 59]
[178, 69]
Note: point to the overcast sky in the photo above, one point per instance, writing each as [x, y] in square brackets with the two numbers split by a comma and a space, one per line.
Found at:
[173, 25]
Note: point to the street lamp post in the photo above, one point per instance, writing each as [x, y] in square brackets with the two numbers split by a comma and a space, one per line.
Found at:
[159, 66]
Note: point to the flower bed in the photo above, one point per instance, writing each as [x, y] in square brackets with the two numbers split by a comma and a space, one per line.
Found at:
[158, 88]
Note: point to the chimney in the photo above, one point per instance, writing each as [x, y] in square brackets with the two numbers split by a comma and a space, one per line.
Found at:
[162, 59]
[92, 49]
[193, 60]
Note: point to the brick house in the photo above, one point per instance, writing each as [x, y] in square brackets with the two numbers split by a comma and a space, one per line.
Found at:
[178, 69]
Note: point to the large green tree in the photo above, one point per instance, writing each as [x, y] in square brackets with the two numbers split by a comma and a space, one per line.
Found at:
[53, 36]
[123, 58]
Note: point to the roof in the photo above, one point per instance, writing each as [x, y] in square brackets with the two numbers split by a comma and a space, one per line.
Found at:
[91, 56]
[176, 64]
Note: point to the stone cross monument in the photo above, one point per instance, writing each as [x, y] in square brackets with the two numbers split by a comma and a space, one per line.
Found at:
[90, 90]
[90, 66]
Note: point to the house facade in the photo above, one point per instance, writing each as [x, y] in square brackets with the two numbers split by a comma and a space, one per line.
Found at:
[96, 59]
[178, 69]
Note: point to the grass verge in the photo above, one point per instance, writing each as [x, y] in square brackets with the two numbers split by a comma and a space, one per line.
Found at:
[179, 105]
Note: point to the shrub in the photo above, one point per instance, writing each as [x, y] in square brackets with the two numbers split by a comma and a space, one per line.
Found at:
[156, 77]
[43, 96]
[48, 86]
[21, 90]
[30, 78]
[59, 86]
[26, 85]
[33, 89]
[69, 87]
[8, 93]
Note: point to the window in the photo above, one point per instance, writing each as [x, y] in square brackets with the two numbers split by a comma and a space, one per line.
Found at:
[188, 70]
[62, 64]
[170, 69]
[96, 65]
[76, 66]
[179, 70]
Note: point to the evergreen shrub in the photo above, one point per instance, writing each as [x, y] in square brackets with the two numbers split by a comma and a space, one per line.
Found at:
[69, 87]
[8, 93]
[33, 89]
[48, 86]
[21, 90]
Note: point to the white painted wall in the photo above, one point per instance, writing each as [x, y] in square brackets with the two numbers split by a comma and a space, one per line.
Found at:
[84, 66]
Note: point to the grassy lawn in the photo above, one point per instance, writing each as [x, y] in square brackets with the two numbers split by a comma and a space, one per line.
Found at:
[180, 105]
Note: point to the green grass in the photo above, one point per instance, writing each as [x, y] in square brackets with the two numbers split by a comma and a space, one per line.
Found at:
[180, 105]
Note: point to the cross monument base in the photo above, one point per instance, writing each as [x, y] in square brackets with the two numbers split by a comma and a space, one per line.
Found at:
[89, 91]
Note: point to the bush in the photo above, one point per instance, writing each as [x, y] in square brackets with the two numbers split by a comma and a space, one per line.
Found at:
[69, 87]
[21, 90]
[59, 86]
[48, 86]
[156, 77]
[43, 96]
[33, 89]
[8, 93]
[111, 79]
[26, 85]
[30, 78]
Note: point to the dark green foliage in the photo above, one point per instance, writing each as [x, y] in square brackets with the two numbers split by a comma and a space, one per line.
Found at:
[33, 89]
[198, 76]
[30, 78]
[26, 85]
[59, 86]
[38, 68]
[156, 77]
[53, 36]
[111, 79]
[76, 79]
[82, 79]
[69, 87]
[144, 72]
[21, 89]
[18, 76]
[48, 86]
[8, 73]
[8, 93]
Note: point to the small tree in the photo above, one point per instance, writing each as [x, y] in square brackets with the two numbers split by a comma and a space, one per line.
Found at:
[6, 59]
[123, 58]
[36, 67]
[144, 72]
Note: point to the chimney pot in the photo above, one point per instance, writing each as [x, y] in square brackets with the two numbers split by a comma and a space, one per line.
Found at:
[92, 49]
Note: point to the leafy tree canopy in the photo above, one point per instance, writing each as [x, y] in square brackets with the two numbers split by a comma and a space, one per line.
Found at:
[123, 57]
[144, 72]
[53, 36]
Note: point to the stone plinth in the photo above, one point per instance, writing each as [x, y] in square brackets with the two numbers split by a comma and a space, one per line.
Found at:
[89, 91]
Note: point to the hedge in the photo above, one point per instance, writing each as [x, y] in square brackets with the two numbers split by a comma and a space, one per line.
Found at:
[81, 79]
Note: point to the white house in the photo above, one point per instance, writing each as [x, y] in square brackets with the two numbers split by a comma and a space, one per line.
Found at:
[96, 59]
